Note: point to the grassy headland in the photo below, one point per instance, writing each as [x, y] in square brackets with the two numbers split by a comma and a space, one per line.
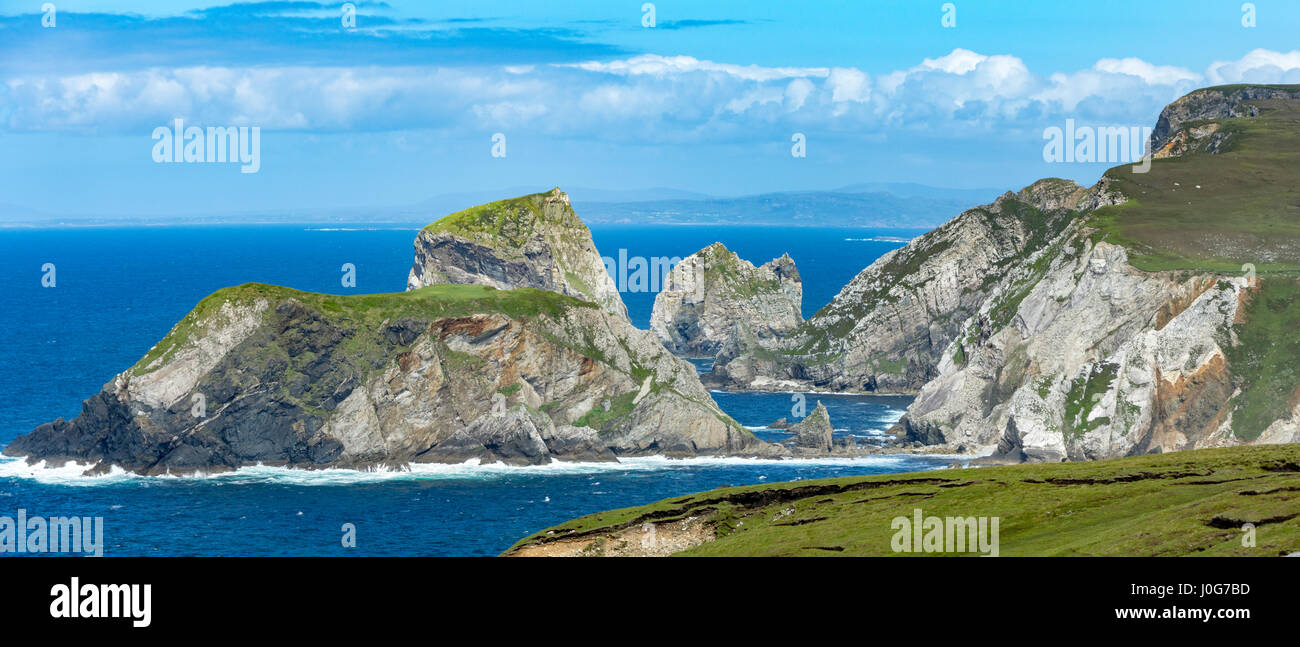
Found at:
[1182, 503]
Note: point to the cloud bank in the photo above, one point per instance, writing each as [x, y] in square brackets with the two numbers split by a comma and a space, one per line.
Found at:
[647, 98]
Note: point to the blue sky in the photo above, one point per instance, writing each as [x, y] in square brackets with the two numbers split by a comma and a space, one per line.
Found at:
[404, 107]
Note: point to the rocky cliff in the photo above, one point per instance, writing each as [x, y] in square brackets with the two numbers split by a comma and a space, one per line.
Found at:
[886, 330]
[534, 241]
[1194, 123]
[263, 374]
[713, 296]
[815, 430]
[1147, 313]
[1080, 355]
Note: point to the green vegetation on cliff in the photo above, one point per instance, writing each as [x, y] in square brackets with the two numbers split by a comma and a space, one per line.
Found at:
[368, 311]
[1216, 212]
[726, 273]
[1085, 391]
[1182, 503]
[510, 222]
[1265, 363]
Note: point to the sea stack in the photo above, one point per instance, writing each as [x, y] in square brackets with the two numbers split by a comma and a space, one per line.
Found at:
[714, 296]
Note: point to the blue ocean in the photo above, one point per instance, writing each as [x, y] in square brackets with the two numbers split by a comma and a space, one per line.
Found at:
[117, 291]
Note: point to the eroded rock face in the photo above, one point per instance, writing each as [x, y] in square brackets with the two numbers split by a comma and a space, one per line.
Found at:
[1171, 139]
[1076, 355]
[886, 330]
[441, 374]
[535, 241]
[713, 296]
[1099, 361]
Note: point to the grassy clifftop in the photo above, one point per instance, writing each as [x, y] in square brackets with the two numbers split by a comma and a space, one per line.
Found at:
[511, 222]
[368, 311]
[1226, 193]
[1183, 503]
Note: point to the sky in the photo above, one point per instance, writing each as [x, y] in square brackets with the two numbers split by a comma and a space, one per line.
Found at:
[722, 97]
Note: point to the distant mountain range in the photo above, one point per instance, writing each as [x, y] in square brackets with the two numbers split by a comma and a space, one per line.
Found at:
[880, 205]
[808, 209]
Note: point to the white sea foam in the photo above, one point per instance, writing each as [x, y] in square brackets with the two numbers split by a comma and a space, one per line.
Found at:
[69, 474]
[73, 474]
[881, 239]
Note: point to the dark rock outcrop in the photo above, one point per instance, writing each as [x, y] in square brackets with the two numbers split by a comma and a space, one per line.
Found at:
[262, 374]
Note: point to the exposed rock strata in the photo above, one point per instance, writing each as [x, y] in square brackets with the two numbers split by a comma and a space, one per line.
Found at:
[441, 374]
[885, 331]
[1099, 360]
[713, 296]
[1080, 356]
[1177, 133]
[535, 241]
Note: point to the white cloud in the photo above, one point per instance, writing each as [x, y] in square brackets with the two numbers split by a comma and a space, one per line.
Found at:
[1258, 66]
[959, 61]
[797, 92]
[1151, 74]
[646, 98]
[664, 66]
[849, 84]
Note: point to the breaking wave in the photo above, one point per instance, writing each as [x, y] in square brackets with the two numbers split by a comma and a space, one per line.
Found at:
[73, 474]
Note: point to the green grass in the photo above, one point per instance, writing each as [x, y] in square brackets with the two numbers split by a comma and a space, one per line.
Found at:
[959, 354]
[509, 221]
[1266, 362]
[1247, 209]
[883, 364]
[1181, 503]
[367, 311]
[1082, 397]
[722, 274]
[600, 418]
[513, 222]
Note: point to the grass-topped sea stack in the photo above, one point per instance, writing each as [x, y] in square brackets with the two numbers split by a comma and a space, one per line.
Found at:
[534, 241]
